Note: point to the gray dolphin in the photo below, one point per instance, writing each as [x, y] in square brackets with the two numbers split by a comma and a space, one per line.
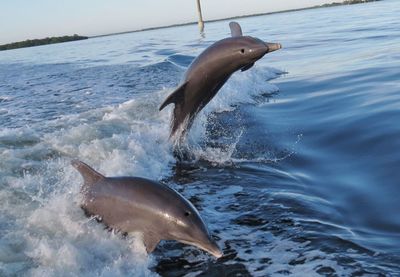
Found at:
[132, 204]
[209, 72]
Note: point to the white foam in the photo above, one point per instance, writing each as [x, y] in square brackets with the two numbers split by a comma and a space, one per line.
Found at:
[129, 139]
[218, 155]
[241, 88]
[60, 239]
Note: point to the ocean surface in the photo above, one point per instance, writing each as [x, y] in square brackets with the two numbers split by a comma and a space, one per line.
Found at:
[297, 161]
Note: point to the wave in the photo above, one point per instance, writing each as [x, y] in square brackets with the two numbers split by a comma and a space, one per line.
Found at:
[131, 138]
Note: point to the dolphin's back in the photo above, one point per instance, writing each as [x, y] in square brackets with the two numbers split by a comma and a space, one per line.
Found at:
[129, 203]
[138, 191]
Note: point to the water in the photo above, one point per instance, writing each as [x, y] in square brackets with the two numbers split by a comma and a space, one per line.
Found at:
[297, 164]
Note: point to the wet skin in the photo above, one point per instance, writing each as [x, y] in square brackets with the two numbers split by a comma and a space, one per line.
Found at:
[132, 204]
[209, 72]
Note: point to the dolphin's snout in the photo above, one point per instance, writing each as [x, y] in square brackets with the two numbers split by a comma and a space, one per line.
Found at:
[273, 46]
[219, 254]
[215, 250]
[212, 247]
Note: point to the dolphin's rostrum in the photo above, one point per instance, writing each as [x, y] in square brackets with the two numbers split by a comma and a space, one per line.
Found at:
[132, 204]
[209, 72]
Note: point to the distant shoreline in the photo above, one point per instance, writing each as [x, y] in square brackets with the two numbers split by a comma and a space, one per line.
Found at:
[333, 4]
[38, 42]
[52, 40]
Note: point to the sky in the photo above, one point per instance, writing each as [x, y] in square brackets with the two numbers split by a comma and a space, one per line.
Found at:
[30, 19]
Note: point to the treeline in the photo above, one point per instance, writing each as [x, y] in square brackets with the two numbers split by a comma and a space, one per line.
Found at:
[37, 42]
[348, 2]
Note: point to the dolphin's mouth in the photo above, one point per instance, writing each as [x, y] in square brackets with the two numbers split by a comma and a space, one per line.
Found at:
[211, 248]
[248, 66]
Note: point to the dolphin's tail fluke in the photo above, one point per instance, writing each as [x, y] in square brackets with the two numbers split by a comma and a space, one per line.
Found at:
[90, 176]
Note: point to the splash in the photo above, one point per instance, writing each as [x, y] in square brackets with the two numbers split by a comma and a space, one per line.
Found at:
[45, 231]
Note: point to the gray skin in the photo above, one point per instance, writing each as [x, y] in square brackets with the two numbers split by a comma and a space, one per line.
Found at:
[209, 72]
[132, 204]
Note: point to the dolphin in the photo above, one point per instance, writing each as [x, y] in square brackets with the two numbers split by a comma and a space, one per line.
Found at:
[209, 72]
[133, 204]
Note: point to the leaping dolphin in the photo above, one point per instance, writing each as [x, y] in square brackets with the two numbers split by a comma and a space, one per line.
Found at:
[132, 204]
[209, 72]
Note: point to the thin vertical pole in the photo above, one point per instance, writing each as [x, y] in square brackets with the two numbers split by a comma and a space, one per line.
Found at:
[201, 22]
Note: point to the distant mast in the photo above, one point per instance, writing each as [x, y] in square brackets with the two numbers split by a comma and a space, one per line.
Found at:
[201, 22]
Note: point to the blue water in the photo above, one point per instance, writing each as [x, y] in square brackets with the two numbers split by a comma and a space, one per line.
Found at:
[297, 160]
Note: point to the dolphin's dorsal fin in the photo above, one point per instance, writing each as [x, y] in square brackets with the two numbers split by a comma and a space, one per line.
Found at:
[236, 30]
[174, 97]
[150, 241]
[90, 176]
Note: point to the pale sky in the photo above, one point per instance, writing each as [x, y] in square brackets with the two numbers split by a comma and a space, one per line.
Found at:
[29, 19]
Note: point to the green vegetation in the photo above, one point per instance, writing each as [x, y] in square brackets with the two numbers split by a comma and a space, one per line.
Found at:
[36, 42]
[348, 2]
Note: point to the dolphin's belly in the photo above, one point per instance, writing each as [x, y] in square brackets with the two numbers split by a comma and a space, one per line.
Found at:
[199, 94]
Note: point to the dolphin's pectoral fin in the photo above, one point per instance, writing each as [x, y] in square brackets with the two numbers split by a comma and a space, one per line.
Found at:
[247, 67]
[236, 30]
[174, 97]
[150, 241]
[90, 176]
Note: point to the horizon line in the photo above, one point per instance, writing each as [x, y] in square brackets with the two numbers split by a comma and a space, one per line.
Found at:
[214, 20]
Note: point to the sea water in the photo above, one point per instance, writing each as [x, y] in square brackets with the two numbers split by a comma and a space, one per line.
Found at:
[297, 162]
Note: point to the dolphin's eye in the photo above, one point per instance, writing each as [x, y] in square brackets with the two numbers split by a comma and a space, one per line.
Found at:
[187, 213]
[242, 50]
